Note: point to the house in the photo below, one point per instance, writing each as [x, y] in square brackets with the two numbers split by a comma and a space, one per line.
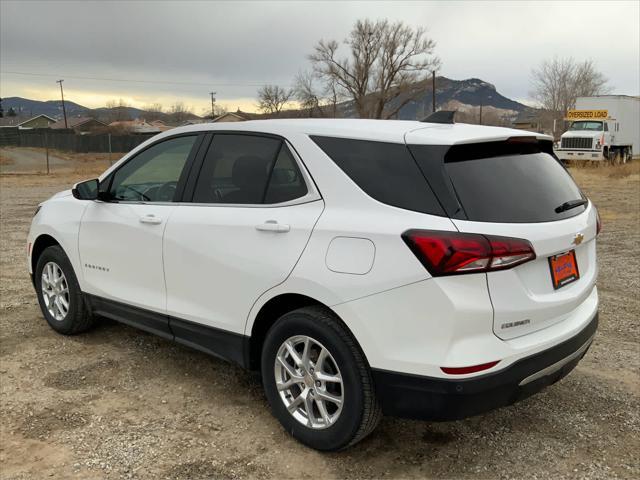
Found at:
[25, 123]
[528, 120]
[81, 125]
[237, 116]
[160, 125]
[137, 126]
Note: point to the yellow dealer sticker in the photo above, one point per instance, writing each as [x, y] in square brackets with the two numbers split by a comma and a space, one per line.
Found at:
[587, 114]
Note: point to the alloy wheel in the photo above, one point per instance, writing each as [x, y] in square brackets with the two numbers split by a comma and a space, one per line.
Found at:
[309, 382]
[55, 291]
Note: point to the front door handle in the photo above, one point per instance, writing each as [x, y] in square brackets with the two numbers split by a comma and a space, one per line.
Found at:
[273, 226]
[151, 219]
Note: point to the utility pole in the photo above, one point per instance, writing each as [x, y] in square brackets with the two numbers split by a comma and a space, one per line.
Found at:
[481, 102]
[433, 89]
[64, 111]
[213, 102]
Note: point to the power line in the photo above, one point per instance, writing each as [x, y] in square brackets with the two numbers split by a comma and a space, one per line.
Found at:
[124, 80]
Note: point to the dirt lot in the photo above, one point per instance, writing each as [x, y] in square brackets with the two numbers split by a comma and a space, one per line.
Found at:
[118, 403]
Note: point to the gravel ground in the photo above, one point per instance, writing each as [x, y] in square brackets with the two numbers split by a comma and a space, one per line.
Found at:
[118, 403]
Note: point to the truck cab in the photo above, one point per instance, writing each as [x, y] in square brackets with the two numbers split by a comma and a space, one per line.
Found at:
[585, 140]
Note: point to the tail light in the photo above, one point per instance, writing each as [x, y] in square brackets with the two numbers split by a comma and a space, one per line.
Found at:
[453, 253]
[598, 223]
[471, 369]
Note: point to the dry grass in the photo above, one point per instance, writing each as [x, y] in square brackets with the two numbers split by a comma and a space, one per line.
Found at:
[4, 160]
[606, 169]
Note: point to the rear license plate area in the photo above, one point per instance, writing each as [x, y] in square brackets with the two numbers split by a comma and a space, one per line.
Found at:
[564, 269]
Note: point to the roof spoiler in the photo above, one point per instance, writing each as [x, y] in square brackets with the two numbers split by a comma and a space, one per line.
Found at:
[441, 116]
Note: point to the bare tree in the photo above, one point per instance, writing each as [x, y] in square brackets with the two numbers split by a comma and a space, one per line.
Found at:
[385, 61]
[306, 93]
[557, 83]
[218, 110]
[273, 98]
[179, 112]
[317, 100]
[118, 110]
[153, 111]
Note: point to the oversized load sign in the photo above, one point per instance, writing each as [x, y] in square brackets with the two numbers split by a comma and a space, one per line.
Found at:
[587, 115]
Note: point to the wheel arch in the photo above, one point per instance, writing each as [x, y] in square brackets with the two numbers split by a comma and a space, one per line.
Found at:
[42, 242]
[269, 313]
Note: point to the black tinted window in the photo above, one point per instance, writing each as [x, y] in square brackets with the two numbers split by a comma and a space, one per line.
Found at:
[513, 188]
[385, 171]
[236, 169]
[153, 174]
[286, 182]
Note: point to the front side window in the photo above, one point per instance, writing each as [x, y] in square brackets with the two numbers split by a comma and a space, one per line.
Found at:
[152, 175]
[248, 169]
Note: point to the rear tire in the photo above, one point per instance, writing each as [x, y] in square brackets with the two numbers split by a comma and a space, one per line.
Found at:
[334, 353]
[59, 293]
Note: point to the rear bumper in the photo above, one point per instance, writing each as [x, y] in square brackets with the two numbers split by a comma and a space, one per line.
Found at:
[428, 398]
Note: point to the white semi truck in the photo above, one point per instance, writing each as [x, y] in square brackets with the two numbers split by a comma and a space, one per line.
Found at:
[602, 128]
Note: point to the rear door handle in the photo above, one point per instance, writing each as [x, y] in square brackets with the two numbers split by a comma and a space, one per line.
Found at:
[273, 226]
[151, 219]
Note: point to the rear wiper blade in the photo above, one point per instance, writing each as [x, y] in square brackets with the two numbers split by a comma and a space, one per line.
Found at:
[571, 204]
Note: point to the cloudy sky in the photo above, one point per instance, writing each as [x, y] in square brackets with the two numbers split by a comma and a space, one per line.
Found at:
[167, 51]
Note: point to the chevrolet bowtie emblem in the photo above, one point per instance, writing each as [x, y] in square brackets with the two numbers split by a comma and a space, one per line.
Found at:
[577, 240]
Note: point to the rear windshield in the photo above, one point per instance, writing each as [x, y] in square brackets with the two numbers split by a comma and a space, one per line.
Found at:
[385, 171]
[514, 188]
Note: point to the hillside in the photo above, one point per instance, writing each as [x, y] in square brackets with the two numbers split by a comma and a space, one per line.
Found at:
[463, 95]
[53, 108]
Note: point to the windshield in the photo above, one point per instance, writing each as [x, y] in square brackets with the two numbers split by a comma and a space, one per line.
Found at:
[591, 126]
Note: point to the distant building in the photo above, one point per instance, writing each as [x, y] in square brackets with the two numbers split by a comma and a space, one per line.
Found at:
[25, 123]
[194, 121]
[237, 116]
[528, 120]
[160, 125]
[139, 126]
[80, 125]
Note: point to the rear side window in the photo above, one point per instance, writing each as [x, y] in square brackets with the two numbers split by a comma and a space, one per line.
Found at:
[248, 169]
[286, 182]
[513, 188]
[385, 171]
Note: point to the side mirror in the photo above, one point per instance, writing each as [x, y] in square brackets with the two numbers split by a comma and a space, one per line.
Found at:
[87, 190]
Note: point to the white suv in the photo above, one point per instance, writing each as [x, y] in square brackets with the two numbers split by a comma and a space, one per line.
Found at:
[424, 270]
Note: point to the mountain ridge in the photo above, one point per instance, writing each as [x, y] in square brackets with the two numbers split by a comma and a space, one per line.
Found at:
[472, 92]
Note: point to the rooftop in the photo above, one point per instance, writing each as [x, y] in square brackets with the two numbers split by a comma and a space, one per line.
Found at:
[393, 131]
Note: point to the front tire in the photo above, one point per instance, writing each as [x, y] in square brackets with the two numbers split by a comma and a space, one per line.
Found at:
[59, 293]
[317, 380]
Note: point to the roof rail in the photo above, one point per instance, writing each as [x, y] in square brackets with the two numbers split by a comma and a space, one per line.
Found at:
[441, 116]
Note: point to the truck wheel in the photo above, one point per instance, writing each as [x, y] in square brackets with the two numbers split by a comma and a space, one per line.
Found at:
[614, 156]
[317, 380]
[59, 293]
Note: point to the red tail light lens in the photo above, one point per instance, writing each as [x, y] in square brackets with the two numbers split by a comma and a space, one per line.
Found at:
[452, 253]
[471, 369]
